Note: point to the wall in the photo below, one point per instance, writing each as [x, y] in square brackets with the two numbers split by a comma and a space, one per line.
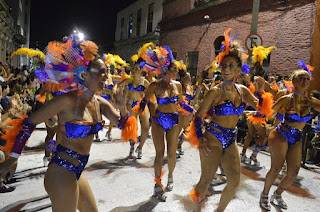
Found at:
[288, 27]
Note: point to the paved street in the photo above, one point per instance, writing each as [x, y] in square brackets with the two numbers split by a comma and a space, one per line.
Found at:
[121, 184]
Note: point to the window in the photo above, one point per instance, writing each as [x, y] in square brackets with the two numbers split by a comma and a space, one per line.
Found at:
[139, 22]
[150, 17]
[121, 28]
[130, 25]
[192, 62]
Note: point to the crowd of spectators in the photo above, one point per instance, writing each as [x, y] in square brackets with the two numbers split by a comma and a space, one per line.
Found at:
[19, 90]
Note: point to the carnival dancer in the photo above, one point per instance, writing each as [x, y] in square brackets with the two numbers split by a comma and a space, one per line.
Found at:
[217, 144]
[165, 118]
[109, 89]
[136, 87]
[285, 140]
[256, 122]
[71, 64]
[184, 118]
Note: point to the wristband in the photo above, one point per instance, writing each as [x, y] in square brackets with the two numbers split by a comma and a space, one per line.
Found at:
[122, 121]
[22, 137]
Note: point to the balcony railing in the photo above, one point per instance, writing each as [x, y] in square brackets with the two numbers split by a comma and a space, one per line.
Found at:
[200, 3]
[3, 5]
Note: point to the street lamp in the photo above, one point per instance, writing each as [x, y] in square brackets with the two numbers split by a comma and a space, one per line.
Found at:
[81, 35]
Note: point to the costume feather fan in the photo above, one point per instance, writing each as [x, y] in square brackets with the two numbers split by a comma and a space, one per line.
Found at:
[260, 53]
[29, 52]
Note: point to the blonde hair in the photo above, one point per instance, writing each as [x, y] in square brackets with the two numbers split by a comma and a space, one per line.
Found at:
[297, 73]
[236, 53]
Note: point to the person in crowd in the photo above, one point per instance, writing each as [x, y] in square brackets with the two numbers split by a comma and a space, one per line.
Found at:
[184, 118]
[79, 114]
[255, 122]
[136, 85]
[217, 144]
[285, 140]
[165, 117]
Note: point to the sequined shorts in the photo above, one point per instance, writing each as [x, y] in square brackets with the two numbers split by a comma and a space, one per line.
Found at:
[82, 159]
[167, 120]
[226, 136]
[293, 135]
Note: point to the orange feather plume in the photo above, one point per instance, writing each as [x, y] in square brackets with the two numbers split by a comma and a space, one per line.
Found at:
[11, 133]
[90, 50]
[252, 88]
[158, 179]
[267, 103]
[130, 130]
[275, 87]
[196, 196]
[136, 108]
[192, 135]
[257, 120]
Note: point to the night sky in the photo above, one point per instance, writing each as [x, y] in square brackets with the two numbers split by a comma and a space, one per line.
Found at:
[52, 20]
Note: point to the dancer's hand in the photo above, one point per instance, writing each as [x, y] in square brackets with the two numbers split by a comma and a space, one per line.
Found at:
[203, 146]
[120, 98]
[260, 83]
[247, 79]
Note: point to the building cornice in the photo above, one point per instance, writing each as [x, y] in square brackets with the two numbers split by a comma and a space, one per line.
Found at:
[225, 11]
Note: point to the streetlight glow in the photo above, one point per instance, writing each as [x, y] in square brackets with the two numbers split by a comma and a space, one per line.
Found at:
[81, 36]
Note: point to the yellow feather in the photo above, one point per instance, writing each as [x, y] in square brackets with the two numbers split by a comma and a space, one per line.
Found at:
[135, 58]
[261, 53]
[29, 52]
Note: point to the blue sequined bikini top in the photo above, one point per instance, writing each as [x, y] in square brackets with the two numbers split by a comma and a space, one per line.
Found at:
[227, 107]
[109, 87]
[82, 129]
[167, 100]
[139, 88]
[294, 117]
[189, 97]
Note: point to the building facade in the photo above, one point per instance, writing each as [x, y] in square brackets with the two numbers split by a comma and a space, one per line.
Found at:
[14, 30]
[192, 28]
[136, 25]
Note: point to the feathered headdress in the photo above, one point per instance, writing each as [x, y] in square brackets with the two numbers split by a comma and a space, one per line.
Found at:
[64, 63]
[213, 67]
[31, 53]
[158, 59]
[142, 52]
[260, 53]
[226, 49]
[119, 62]
[180, 65]
[109, 59]
[305, 67]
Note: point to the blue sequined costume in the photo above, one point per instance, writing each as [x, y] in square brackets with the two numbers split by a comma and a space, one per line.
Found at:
[226, 136]
[107, 96]
[82, 159]
[189, 97]
[167, 120]
[293, 135]
[76, 129]
[139, 88]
